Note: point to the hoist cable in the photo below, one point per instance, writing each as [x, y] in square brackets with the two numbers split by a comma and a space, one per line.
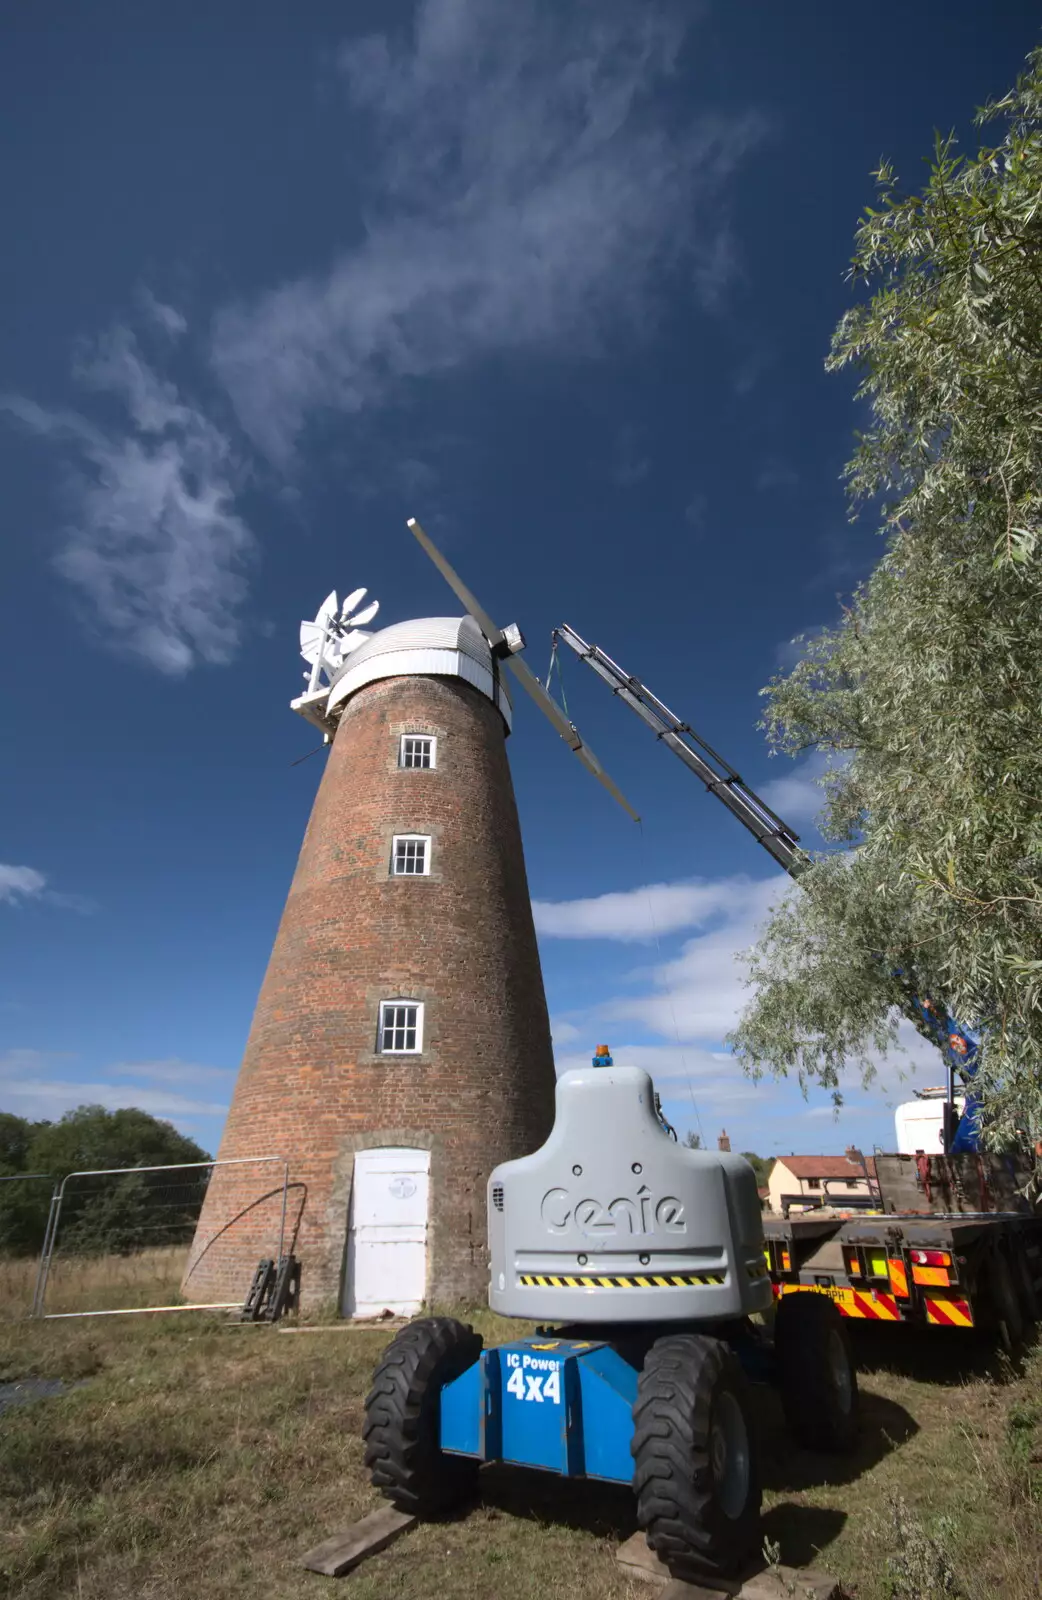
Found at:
[669, 993]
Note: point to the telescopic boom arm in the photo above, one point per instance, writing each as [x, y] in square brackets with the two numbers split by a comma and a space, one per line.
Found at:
[719, 777]
[956, 1045]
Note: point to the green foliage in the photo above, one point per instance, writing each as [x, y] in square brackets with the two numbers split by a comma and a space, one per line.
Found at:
[926, 695]
[109, 1216]
[15, 1137]
[920, 1566]
[693, 1140]
[761, 1165]
[114, 1221]
[91, 1137]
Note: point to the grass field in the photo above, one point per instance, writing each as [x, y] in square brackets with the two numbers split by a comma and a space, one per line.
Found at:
[197, 1458]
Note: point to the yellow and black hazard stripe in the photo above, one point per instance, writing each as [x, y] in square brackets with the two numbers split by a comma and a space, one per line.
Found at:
[871, 1304]
[756, 1269]
[674, 1280]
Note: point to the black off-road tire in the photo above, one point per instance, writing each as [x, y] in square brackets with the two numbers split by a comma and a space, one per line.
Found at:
[1004, 1303]
[1027, 1292]
[816, 1373]
[699, 1509]
[402, 1413]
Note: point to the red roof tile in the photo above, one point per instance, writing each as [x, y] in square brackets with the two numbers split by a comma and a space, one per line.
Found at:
[827, 1166]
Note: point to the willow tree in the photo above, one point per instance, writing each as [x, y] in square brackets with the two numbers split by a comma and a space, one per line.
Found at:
[927, 692]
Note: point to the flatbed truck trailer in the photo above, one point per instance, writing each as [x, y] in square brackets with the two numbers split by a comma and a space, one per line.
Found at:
[955, 1242]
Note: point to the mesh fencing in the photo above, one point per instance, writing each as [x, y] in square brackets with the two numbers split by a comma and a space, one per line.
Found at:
[136, 1239]
[26, 1201]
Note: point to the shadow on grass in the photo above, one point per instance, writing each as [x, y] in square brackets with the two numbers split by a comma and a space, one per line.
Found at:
[802, 1532]
[944, 1356]
[788, 1466]
[608, 1511]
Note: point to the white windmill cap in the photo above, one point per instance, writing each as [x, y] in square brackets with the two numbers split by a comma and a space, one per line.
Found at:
[441, 647]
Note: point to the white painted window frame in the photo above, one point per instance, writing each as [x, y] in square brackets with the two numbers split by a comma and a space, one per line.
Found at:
[432, 740]
[389, 1005]
[411, 838]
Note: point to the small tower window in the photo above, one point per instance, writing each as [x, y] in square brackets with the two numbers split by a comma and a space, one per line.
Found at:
[410, 855]
[417, 750]
[401, 1028]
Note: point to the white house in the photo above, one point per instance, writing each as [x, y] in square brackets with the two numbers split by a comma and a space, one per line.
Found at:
[799, 1182]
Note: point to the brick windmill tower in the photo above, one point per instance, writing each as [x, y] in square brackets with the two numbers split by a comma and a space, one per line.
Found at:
[400, 1047]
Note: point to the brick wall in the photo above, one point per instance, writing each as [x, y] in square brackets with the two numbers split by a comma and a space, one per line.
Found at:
[312, 1084]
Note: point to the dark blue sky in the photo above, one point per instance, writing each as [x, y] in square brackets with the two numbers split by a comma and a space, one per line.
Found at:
[559, 280]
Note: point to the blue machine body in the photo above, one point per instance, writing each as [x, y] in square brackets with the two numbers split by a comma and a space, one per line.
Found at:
[959, 1047]
[563, 1405]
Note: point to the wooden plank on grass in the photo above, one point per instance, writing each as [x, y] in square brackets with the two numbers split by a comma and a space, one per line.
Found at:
[338, 1555]
[778, 1583]
[638, 1561]
[347, 1327]
[679, 1590]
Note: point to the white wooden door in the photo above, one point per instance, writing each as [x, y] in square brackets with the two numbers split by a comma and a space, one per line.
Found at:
[387, 1236]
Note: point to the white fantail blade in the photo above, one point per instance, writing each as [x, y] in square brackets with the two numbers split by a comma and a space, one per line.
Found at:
[568, 731]
[455, 583]
[312, 638]
[524, 675]
[327, 610]
[353, 599]
[363, 616]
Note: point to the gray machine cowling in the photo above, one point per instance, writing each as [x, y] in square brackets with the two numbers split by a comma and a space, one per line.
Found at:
[613, 1221]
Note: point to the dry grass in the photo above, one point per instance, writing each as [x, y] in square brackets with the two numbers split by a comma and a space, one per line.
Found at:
[200, 1458]
[87, 1283]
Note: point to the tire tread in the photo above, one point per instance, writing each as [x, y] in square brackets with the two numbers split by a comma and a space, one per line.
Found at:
[402, 1451]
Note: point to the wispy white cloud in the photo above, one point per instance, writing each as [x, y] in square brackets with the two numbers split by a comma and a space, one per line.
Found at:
[796, 795]
[697, 995]
[21, 886]
[647, 912]
[563, 1032]
[695, 511]
[172, 1071]
[693, 998]
[35, 1084]
[630, 464]
[681, 1070]
[154, 547]
[21, 1062]
[172, 321]
[790, 651]
[18, 884]
[777, 474]
[748, 371]
[534, 184]
[529, 189]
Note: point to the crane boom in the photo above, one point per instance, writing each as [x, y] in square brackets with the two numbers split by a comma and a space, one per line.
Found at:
[955, 1043]
[719, 777]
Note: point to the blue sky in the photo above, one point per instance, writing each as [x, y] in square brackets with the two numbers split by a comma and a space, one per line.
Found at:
[557, 279]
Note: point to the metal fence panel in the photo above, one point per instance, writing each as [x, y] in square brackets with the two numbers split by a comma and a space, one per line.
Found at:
[124, 1239]
[26, 1207]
